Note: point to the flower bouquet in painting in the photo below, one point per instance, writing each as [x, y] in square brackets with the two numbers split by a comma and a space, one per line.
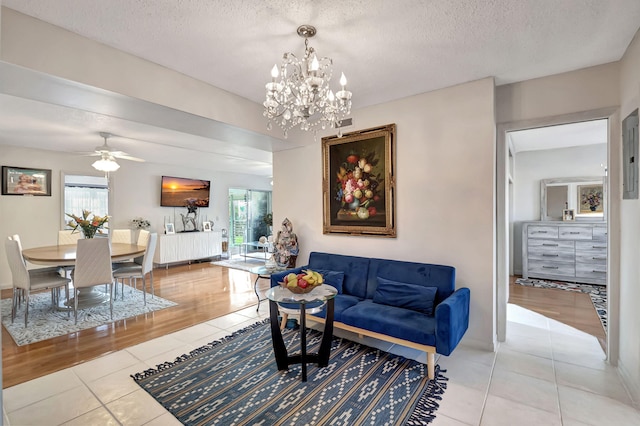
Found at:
[89, 225]
[359, 187]
[303, 282]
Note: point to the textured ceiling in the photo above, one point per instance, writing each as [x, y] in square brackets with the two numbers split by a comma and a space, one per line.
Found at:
[387, 49]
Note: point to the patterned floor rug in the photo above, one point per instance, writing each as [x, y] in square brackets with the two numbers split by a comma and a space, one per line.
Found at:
[598, 293]
[235, 381]
[45, 323]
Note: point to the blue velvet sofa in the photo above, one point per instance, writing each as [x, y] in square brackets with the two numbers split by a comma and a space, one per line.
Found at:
[407, 303]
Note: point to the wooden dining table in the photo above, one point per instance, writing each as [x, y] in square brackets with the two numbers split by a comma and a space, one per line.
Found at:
[65, 255]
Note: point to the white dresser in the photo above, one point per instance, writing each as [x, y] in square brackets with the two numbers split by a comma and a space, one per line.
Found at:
[565, 251]
[187, 246]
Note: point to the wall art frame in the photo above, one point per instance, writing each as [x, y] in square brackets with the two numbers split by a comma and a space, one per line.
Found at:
[591, 199]
[26, 181]
[359, 182]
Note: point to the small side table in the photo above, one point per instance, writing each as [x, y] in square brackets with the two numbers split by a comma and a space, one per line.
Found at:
[323, 293]
[264, 273]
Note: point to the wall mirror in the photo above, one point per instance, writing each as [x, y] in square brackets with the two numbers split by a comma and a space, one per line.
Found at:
[585, 195]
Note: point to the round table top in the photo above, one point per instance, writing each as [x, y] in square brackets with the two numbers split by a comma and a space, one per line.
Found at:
[64, 255]
[321, 293]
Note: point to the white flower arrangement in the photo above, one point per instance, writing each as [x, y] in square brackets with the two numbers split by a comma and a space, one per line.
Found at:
[140, 223]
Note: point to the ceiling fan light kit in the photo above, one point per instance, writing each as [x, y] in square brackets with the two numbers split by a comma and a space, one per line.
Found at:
[107, 162]
[298, 94]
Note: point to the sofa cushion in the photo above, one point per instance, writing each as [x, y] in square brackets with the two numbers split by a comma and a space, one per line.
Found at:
[424, 274]
[356, 270]
[341, 302]
[397, 322]
[404, 295]
[332, 278]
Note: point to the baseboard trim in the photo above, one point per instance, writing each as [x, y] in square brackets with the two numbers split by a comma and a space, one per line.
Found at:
[630, 383]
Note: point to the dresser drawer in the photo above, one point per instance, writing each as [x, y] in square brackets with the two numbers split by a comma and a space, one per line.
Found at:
[600, 233]
[591, 247]
[551, 268]
[597, 272]
[575, 232]
[541, 231]
[551, 245]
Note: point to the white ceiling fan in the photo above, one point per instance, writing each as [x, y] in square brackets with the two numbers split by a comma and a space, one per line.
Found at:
[107, 161]
[105, 150]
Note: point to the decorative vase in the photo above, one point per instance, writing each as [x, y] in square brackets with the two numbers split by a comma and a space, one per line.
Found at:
[593, 208]
[89, 232]
[271, 264]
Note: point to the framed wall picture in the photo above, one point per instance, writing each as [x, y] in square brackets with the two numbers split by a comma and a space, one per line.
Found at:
[23, 181]
[169, 228]
[568, 214]
[359, 182]
[590, 199]
[206, 226]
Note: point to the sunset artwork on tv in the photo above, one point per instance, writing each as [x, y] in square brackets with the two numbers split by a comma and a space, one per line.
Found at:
[183, 192]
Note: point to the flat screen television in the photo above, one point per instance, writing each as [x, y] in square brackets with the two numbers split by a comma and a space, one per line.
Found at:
[181, 192]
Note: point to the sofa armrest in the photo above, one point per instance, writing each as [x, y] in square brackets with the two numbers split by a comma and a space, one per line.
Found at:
[452, 320]
[278, 277]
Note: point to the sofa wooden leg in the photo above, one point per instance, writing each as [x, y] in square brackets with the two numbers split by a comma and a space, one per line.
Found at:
[283, 323]
[431, 365]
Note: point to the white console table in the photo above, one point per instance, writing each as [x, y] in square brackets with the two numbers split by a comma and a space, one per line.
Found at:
[187, 246]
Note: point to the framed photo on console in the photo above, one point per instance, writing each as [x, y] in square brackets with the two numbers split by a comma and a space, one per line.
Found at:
[359, 182]
[169, 228]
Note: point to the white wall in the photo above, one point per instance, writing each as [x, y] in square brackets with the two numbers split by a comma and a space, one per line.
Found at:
[533, 166]
[135, 192]
[445, 192]
[629, 361]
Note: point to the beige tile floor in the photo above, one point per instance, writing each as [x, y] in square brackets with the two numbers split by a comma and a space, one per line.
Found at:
[546, 373]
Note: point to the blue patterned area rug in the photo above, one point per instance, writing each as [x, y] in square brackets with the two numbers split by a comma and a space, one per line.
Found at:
[235, 381]
[597, 293]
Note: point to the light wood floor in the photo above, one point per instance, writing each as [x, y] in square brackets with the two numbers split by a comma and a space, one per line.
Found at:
[569, 307]
[203, 292]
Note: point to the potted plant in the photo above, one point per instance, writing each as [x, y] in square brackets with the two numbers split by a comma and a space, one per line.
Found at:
[267, 219]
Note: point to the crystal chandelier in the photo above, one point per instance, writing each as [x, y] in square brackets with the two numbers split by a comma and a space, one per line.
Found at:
[299, 93]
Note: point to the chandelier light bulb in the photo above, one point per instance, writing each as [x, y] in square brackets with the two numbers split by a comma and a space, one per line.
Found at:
[315, 65]
[343, 81]
[274, 72]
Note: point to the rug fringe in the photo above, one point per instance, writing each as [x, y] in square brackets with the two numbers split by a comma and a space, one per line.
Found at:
[203, 349]
[425, 410]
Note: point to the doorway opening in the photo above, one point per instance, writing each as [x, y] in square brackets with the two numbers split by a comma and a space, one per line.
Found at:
[249, 210]
[576, 145]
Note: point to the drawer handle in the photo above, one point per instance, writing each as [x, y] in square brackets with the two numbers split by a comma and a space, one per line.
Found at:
[541, 232]
[549, 245]
[551, 255]
[574, 232]
[599, 258]
[599, 247]
[599, 272]
[549, 267]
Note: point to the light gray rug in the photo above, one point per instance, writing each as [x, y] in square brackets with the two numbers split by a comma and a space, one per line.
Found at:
[46, 323]
[240, 264]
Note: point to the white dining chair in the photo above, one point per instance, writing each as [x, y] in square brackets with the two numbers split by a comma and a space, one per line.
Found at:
[68, 236]
[133, 270]
[92, 268]
[123, 236]
[25, 281]
[143, 240]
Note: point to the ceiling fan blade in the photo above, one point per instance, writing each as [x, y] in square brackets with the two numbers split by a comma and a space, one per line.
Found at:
[125, 156]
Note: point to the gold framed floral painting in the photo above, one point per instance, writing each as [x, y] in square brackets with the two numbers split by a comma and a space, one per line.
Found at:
[359, 182]
[590, 199]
